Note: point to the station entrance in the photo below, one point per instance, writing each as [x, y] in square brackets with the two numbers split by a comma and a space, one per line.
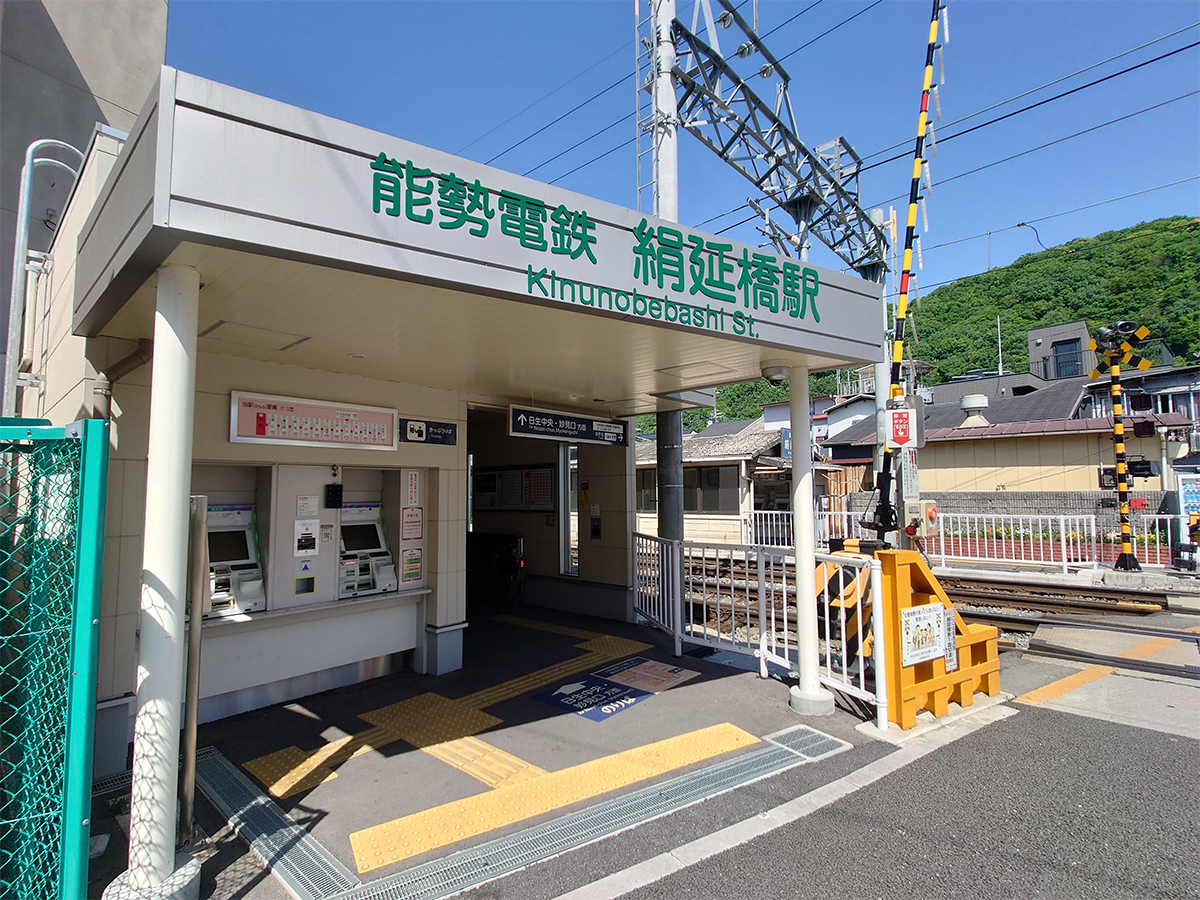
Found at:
[337, 368]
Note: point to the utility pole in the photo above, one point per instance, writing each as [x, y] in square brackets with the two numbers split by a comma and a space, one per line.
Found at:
[665, 124]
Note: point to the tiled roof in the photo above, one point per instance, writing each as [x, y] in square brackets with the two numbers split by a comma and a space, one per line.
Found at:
[1043, 426]
[746, 442]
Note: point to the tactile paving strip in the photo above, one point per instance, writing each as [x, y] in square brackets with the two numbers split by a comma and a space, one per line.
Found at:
[491, 765]
[476, 865]
[421, 832]
[429, 719]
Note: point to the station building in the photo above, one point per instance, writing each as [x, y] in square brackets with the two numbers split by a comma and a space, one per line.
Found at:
[331, 333]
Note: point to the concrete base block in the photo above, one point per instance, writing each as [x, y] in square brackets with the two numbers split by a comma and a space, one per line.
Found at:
[819, 703]
[182, 884]
[444, 648]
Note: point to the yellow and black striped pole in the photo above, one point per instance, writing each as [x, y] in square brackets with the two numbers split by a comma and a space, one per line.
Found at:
[885, 519]
[1127, 561]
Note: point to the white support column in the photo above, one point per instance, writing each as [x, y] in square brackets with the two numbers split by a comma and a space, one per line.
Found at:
[808, 698]
[164, 581]
[666, 129]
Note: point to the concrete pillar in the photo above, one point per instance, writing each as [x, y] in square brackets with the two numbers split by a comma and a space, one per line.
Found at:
[669, 427]
[164, 582]
[808, 697]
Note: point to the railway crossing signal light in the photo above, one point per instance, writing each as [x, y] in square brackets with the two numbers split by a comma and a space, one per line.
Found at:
[1115, 346]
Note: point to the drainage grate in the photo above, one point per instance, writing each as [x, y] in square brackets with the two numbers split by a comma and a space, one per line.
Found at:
[808, 742]
[468, 868]
[307, 869]
[122, 781]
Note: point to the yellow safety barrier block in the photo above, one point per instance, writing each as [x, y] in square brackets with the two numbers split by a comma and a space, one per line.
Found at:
[908, 582]
[443, 825]
[491, 765]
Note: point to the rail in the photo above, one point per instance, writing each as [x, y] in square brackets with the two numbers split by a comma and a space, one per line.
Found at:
[741, 598]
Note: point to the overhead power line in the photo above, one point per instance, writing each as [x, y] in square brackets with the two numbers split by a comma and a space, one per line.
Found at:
[1145, 109]
[593, 159]
[1040, 103]
[831, 30]
[623, 47]
[594, 134]
[987, 109]
[624, 79]
[762, 37]
[1065, 212]
[1041, 87]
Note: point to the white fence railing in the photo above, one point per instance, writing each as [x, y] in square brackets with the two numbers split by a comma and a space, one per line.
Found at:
[773, 528]
[1060, 541]
[742, 598]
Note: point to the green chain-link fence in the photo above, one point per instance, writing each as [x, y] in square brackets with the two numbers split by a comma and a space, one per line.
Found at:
[52, 489]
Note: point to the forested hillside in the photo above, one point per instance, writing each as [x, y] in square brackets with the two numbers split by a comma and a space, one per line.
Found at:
[1149, 273]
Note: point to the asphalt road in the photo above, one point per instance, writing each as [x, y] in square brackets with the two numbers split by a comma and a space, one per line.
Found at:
[1042, 804]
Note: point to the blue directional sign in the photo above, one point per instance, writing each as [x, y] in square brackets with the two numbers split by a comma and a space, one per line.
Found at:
[593, 698]
[786, 451]
[561, 426]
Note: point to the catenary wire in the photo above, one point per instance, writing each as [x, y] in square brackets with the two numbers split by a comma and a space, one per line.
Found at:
[594, 134]
[1041, 87]
[1032, 106]
[831, 30]
[623, 118]
[1064, 212]
[1145, 109]
[1004, 117]
[575, 77]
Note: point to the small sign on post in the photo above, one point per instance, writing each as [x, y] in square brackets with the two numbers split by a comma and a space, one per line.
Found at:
[901, 428]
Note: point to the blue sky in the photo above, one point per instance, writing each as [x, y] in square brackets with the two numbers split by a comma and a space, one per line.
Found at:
[472, 78]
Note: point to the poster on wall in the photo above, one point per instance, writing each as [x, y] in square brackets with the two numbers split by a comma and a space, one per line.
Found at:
[921, 634]
[531, 489]
[412, 521]
[410, 565]
[294, 422]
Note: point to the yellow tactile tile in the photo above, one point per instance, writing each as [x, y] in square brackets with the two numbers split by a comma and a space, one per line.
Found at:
[600, 650]
[547, 626]
[402, 838]
[429, 719]
[291, 770]
[491, 765]
[285, 771]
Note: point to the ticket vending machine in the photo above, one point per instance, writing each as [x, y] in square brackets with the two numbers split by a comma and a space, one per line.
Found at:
[234, 566]
[366, 564]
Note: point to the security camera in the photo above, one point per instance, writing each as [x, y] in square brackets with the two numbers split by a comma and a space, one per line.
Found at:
[776, 375]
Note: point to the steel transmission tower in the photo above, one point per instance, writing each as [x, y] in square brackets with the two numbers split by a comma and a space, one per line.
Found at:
[817, 188]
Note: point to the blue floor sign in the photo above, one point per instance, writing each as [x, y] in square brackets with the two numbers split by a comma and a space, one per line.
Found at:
[592, 697]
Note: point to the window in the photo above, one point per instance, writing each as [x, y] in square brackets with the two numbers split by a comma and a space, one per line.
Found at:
[647, 490]
[711, 489]
[1068, 360]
